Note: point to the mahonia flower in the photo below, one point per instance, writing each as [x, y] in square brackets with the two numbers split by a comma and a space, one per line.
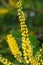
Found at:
[34, 61]
[26, 46]
[41, 62]
[14, 47]
[5, 61]
[4, 11]
[38, 55]
[25, 41]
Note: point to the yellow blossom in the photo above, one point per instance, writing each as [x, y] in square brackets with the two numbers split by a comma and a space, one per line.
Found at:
[14, 47]
[4, 10]
[27, 48]
[5, 61]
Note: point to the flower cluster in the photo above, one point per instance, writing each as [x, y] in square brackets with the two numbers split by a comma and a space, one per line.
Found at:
[39, 55]
[41, 62]
[26, 46]
[14, 47]
[5, 61]
[34, 61]
[24, 31]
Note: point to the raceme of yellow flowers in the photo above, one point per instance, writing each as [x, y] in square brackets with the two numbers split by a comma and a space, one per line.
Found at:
[26, 46]
[24, 32]
[5, 61]
[14, 47]
[39, 55]
[27, 55]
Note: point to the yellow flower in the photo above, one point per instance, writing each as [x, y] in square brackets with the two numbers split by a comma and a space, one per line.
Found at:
[38, 55]
[14, 47]
[41, 61]
[34, 61]
[4, 11]
[13, 3]
[26, 46]
[24, 30]
[5, 61]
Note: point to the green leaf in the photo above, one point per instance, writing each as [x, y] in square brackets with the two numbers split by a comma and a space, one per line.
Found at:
[17, 36]
[35, 43]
